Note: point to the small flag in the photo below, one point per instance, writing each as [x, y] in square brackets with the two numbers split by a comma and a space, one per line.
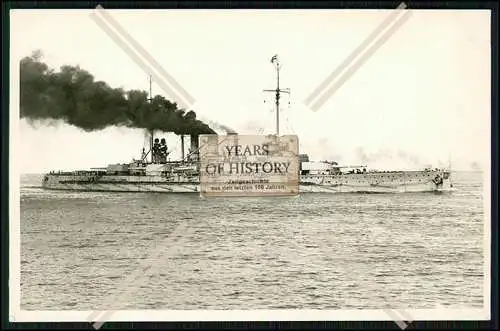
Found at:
[274, 58]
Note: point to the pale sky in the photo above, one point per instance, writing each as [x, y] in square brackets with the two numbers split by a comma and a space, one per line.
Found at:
[423, 97]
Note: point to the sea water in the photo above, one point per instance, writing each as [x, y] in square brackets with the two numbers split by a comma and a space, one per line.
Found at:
[79, 251]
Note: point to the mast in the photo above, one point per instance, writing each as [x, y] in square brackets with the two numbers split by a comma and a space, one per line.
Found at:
[277, 91]
[151, 132]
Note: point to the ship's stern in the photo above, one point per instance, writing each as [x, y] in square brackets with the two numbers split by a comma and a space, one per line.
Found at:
[45, 180]
[442, 180]
[50, 181]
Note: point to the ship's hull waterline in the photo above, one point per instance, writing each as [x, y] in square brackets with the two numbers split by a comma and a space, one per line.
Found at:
[379, 182]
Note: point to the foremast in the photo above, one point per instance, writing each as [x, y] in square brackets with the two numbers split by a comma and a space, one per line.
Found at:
[277, 91]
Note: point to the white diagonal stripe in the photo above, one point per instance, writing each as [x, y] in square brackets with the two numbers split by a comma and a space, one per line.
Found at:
[404, 314]
[116, 38]
[147, 68]
[111, 21]
[398, 316]
[360, 61]
[348, 60]
[167, 248]
[351, 58]
[396, 319]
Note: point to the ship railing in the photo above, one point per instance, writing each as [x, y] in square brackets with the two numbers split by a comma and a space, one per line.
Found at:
[350, 166]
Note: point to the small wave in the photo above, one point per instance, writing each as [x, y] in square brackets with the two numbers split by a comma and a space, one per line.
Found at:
[65, 245]
[73, 245]
[315, 295]
[311, 273]
[113, 277]
[286, 306]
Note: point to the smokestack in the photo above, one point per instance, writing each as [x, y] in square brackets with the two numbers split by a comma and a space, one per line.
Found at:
[194, 147]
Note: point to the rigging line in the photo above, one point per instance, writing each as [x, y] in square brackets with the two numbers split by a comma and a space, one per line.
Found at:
[290, 127]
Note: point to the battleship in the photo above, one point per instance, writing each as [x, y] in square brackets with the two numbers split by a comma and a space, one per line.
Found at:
[153, 171]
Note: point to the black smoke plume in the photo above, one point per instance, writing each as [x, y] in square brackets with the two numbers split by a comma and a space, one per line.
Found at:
[72, 95]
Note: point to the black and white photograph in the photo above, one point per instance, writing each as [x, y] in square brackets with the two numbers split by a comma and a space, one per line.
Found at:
[205, 165]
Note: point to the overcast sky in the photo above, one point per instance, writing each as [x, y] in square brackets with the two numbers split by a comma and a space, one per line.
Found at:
[423, 96]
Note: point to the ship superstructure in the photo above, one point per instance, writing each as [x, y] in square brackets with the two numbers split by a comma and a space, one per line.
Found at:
[155, 172]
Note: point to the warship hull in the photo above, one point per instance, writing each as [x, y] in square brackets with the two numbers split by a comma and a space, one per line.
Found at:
[162, 175]
[371, 182]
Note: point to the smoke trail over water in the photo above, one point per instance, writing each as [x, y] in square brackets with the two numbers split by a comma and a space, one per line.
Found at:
[387, 159]
[72, 95]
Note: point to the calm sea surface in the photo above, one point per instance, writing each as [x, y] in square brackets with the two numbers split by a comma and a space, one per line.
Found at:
[83, 251]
